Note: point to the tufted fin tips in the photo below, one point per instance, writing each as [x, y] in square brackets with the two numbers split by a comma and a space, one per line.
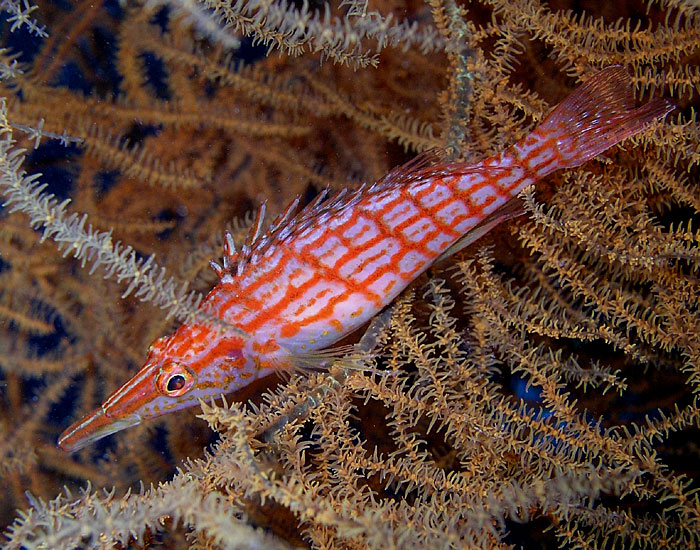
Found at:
[229, 259]
[257, 228]
[233, 260]
[230, 252]
[220, 271]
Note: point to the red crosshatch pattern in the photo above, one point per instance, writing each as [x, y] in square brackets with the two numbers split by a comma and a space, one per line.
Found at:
[315, 277]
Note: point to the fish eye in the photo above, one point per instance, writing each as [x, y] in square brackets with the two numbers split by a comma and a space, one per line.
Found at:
[175, 379]
[175, 382]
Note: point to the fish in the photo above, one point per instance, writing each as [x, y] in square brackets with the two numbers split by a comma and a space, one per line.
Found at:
[318, 274]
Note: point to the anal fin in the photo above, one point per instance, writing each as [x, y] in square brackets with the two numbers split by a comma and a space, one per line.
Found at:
[514, 208]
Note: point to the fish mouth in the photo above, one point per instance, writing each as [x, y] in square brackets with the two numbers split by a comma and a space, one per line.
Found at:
[94, 426]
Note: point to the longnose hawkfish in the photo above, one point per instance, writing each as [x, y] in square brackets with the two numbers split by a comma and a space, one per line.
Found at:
[314, 277]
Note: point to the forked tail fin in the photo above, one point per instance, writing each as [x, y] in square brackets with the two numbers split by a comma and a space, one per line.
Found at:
[598, 115]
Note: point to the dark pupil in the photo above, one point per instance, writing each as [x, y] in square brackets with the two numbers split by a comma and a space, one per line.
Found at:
[176, 382]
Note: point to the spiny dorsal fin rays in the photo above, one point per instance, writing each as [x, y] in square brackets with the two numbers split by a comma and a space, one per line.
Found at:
[256, 228]
[220, 271]
[230, 251]
[229, 257]
[324, 204]
[318, 199]
[252, 242]
[232, 259]
[285, 217]
[291, 220]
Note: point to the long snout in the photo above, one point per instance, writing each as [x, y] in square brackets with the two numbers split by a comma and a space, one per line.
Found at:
[92, 427]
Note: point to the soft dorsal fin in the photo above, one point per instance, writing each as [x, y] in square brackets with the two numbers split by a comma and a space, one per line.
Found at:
[429, 164]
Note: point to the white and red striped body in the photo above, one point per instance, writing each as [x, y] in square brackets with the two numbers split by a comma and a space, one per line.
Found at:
[319, 284]
[314, 278]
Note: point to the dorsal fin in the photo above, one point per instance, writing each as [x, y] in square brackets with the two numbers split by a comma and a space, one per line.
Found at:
[256, 229]
[234, 260]
[430, 164]
[286, 216]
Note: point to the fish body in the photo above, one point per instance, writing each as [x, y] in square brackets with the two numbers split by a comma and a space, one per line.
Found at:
[317, 276]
